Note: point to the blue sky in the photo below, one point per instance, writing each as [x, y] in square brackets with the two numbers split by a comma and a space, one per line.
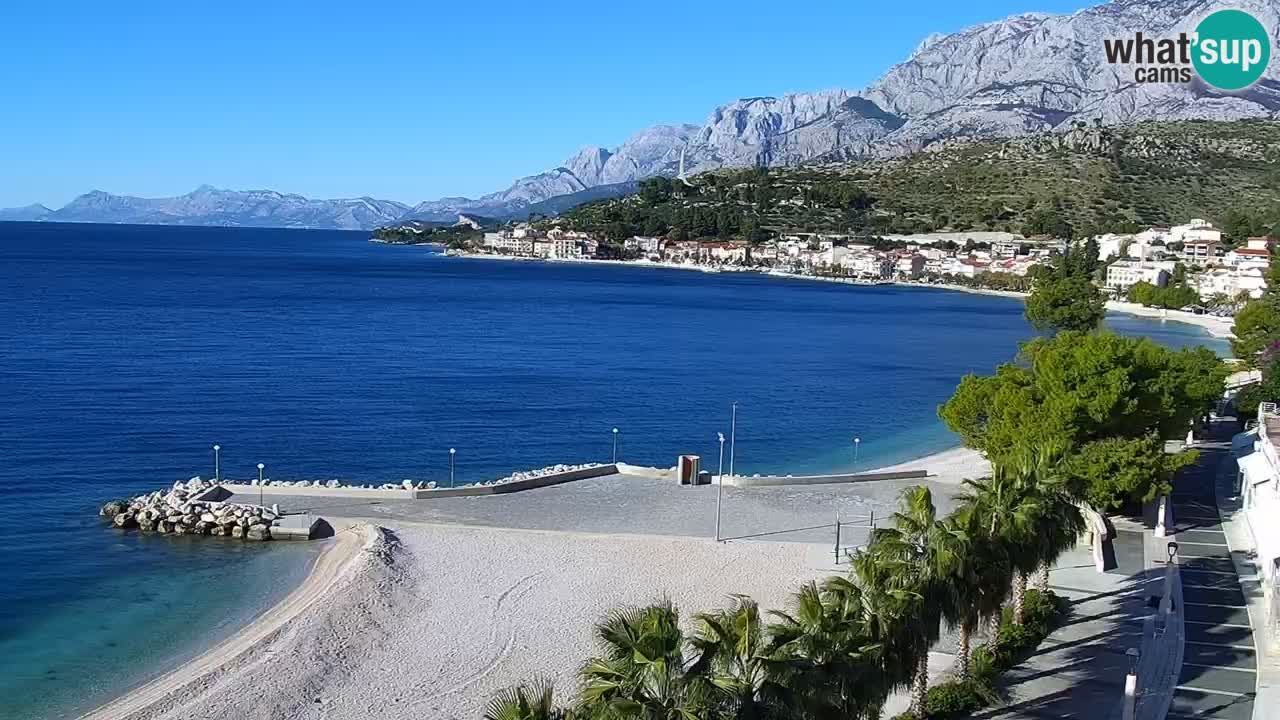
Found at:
[402, 101]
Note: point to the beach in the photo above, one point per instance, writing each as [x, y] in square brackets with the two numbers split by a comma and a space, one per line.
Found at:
[407, 619]
[1219, 327]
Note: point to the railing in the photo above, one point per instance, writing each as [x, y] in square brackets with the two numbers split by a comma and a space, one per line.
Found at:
[1268, 411]
[1155, 666]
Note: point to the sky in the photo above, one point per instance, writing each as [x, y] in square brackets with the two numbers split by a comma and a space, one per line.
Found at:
[403, 101]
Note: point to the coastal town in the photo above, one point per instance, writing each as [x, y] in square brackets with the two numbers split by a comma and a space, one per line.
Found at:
[1194, 264]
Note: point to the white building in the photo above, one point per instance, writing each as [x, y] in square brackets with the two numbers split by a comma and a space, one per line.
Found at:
[646, 245]
[1258, 485]
[1124, 274]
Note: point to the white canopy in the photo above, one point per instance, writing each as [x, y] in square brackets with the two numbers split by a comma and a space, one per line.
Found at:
[1256, 469]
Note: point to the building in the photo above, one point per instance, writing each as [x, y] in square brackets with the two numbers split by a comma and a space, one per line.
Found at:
[643, 244]
[866, 264]
[1124, 274]
[1246, 257]
[723, 252]
[1201, 252]
[1258, 485]
[911, 266]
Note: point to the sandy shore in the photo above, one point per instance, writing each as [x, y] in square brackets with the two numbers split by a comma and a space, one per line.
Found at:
[450, 616]
[332, 570]
[1216, 326]
[952, 466]
[431, 620]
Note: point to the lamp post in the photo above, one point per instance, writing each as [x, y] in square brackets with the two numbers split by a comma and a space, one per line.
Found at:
[733, 436]
[451, 453]
[217, 464]
[719, 484]
[615, 446]
[856, 442]
[260, 468]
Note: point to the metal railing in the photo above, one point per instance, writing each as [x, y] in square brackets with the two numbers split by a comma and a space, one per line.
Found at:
[1154, 667]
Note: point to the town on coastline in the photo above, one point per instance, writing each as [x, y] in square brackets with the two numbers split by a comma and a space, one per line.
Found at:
[1190, 267]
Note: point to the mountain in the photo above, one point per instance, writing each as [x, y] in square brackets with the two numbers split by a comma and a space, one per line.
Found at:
[210, 206]
[1019, 76]
[28, 213]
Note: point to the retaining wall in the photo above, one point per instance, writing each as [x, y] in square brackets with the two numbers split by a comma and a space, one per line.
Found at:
[464, 491]
[741, 481]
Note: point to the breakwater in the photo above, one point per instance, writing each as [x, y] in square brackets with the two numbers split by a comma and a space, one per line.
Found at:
[183, 510]
[422, 490]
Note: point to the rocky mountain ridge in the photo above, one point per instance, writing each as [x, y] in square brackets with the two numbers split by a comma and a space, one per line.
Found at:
[1026, 74]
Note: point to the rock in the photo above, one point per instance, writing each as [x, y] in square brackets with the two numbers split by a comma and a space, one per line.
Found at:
[180, 530]
[164, 527]
[173, 518]
[269, 517]
[431, 485]
[124, 520]
[237, 531]
[333, 484]
[190, 520]
[258, 532]
[407, 484]
[218, 530]
[209, 517]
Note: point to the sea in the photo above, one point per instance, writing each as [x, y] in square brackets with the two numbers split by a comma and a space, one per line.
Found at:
[127, 352]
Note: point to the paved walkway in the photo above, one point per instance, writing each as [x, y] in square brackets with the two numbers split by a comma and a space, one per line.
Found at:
[1219, 667]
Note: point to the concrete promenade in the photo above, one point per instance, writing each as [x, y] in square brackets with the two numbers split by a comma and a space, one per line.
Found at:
[1079, 670]
[638, 505]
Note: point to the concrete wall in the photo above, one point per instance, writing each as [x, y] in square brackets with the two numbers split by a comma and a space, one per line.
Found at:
[466, 491]
[517, 486]
[741, 481]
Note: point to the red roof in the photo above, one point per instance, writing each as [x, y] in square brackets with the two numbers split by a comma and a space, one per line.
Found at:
[1251, 251]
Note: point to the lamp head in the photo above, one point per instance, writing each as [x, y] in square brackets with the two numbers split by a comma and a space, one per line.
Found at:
[1173, 550]
[615, 431]
[261, 466]
[217, 447]
[720, 436]
[452, 451]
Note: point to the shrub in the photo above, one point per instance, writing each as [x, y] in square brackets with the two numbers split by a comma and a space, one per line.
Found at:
[954, 699]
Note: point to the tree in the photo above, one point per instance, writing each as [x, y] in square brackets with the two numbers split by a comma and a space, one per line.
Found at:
[1070, 303]
[1005, 508]
[732, 649]
[642, 673]
[531, 701]
[1257, 326]
[1113, 473]
[919, 555]
[825, 656]
[1073, 388]
[985, 579]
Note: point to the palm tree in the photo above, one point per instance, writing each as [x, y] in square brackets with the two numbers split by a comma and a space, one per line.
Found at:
[642, 673]
[732, 651]
[920, 555]
[823, 663]
[982, 584]
[528, 701]
[1006, 509]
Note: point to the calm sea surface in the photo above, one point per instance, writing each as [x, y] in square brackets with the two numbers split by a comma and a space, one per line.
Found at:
[126, 352]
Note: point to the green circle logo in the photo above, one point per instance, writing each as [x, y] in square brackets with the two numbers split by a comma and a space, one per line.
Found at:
[1231, 49]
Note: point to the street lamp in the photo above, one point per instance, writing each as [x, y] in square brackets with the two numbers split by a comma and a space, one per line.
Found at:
[217, 464]
[260, 467]
[856, 442]
[733, 436]
[615, 446]
[719, 484]
[451, 453]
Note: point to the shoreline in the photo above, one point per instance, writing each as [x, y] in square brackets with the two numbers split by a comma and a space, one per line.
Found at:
[329, 569]
[1216, 327]
[171, 694]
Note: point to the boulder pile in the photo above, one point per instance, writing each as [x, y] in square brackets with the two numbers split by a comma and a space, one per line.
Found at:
[175, 511]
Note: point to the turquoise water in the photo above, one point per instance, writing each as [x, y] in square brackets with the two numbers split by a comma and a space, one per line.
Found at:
[126, 352]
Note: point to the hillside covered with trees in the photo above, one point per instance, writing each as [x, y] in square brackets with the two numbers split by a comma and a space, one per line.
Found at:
[1073, 184]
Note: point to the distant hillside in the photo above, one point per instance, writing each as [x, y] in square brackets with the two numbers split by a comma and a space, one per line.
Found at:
[1086, 180]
